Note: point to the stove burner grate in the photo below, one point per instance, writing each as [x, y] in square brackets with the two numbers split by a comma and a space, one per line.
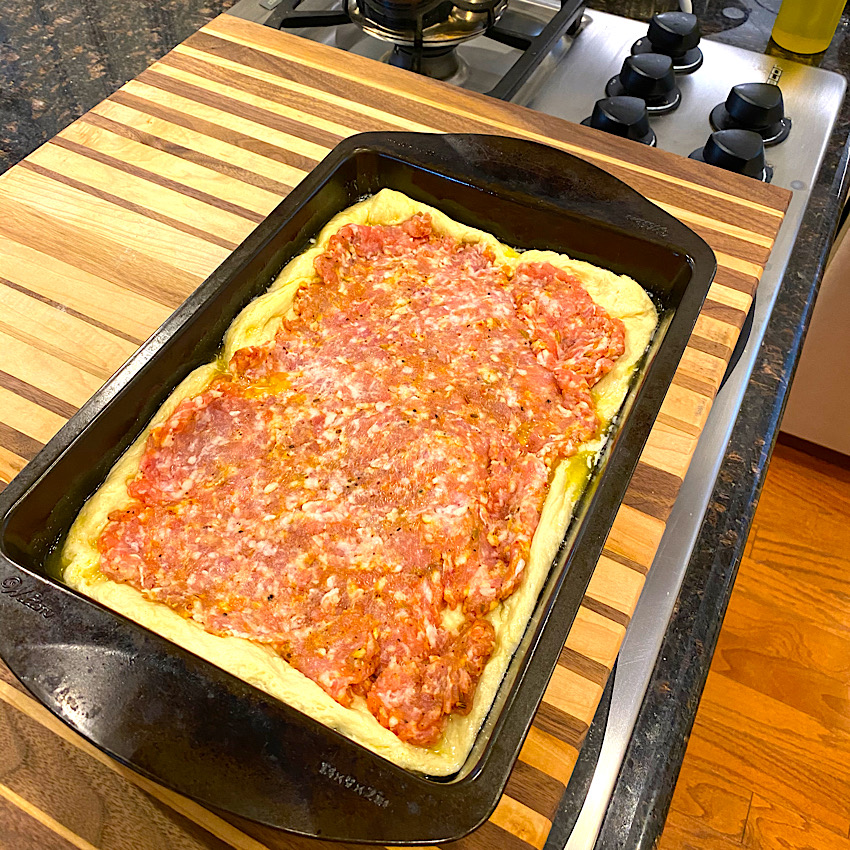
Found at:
[440, 61]
[287, 15]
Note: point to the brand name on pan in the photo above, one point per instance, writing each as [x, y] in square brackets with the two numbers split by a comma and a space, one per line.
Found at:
[30, 596]
[351, 784]
[643, 224]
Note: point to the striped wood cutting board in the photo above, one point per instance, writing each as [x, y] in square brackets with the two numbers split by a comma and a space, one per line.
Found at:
[107, 228]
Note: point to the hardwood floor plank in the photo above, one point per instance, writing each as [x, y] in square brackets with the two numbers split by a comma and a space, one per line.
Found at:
[766, 745]
[813, 487]
[809, 665]
[774, 720]
[684, 833]
[772, 827]
[815, 592]
[748, 547]
[814, 538]
[816, 571]
[709, 803]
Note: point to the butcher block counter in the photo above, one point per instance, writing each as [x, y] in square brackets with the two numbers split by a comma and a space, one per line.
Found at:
[111, 225]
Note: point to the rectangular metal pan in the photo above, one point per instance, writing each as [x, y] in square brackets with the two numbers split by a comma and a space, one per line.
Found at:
[198, 730]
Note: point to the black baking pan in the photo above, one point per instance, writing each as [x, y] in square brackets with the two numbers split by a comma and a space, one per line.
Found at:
[200, 731]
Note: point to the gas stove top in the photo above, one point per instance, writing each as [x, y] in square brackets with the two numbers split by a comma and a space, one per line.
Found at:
[573, 74]
[567, 78]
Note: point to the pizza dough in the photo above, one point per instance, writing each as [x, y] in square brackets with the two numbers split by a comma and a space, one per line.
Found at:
[622, 297]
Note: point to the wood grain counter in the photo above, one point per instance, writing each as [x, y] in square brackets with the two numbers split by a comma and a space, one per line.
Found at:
[112, 224]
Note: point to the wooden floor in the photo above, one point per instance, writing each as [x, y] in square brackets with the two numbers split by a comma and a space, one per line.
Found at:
[768, 763]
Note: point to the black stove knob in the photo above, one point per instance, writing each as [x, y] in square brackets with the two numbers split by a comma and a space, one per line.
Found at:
[650, 77]
[622, 116]
[736, 150]
[675, 34]
[754, 106]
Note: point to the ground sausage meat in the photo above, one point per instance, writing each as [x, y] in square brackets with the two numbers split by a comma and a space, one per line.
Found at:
[383, 460]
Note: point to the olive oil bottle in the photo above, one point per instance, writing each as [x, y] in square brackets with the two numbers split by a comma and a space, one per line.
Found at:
[807, 26]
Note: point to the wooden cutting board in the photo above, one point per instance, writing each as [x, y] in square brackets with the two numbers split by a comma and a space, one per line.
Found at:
[112, 224]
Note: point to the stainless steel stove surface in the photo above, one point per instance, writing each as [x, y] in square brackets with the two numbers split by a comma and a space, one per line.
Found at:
[566, 84]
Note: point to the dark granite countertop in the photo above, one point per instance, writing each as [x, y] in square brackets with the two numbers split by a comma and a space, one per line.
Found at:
[58, 58]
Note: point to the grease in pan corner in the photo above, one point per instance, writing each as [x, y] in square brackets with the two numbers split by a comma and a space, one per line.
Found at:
[355, 507]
